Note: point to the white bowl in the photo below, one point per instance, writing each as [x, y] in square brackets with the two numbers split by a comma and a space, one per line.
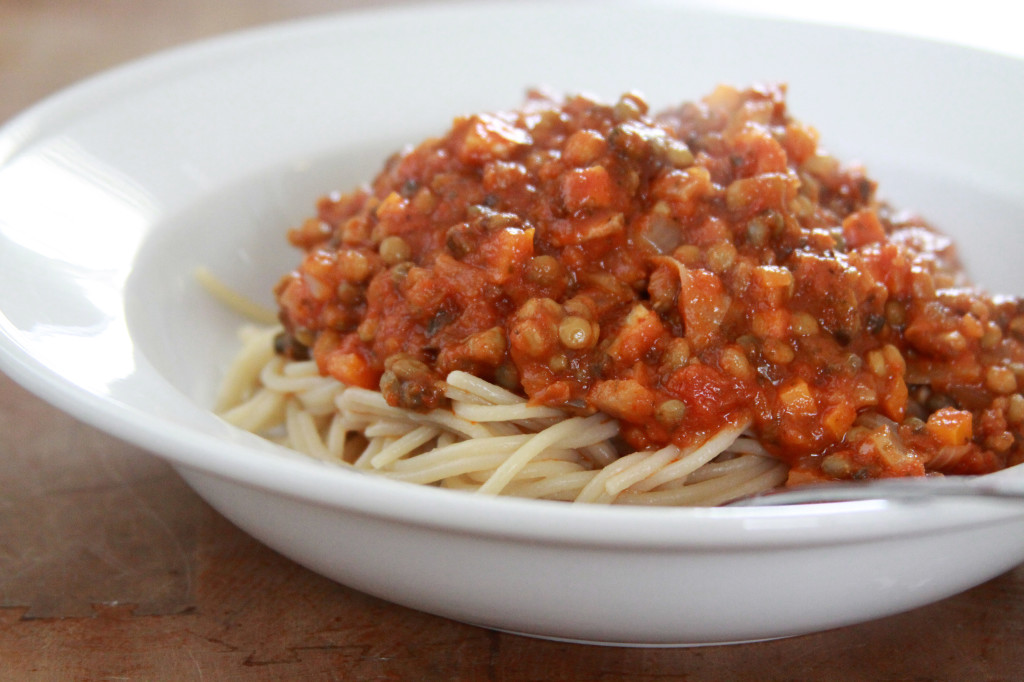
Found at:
[113, 192]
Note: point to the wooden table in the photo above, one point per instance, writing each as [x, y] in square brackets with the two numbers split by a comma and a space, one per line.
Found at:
[112, 569]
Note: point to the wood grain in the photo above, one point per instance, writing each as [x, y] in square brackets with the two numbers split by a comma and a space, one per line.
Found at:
[111, 568]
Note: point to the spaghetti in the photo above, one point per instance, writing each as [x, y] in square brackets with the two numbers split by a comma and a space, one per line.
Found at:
[490, 440]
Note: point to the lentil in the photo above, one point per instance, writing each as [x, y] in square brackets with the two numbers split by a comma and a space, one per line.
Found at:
[576, 332]
[394, 250]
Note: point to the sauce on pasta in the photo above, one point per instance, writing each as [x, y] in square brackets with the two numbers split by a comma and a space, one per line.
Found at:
[682, 272]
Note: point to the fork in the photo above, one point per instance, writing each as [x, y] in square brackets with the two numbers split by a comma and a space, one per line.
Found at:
[896, 489]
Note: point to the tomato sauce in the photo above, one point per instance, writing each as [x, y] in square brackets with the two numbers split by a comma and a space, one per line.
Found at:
[705, 266]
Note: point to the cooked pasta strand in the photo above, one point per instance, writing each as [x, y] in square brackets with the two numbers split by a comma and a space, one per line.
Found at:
[491, 441]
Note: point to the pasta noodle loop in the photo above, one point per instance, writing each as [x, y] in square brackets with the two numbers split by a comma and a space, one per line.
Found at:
[491, 442]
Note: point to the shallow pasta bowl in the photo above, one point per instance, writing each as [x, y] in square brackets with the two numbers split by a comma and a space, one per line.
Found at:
[114, 192]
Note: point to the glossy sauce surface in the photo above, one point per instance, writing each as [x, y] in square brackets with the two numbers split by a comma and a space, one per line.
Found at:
[680, 272]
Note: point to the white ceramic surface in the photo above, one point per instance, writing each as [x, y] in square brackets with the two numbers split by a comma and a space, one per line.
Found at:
[113, 192]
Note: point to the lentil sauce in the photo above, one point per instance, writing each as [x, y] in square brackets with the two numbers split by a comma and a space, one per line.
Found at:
[679, 272]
